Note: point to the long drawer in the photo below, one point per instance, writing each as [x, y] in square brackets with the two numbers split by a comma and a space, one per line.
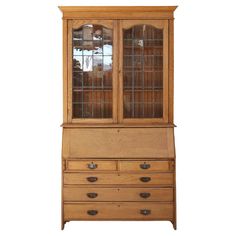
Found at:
[121, 210]
[117, 194]
[118, 142]
[119, 178]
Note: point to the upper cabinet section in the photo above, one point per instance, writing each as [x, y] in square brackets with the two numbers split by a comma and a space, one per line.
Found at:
[118, 65]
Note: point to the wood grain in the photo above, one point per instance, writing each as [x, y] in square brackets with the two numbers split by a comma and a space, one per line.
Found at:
[136, 166]
[83, 165]
[113, 142]
[116, 145]
[117, 194]
[120, 178]
[119, 210]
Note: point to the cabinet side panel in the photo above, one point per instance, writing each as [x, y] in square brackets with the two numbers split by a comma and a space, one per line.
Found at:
[65, 143]
[65, 69]
[171, 71]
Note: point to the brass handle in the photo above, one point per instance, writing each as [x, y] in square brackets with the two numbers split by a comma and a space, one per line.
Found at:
[92, 179]
[145, 179]
[145, 212]
[92, 195]
[145, 195]
[145, 166]
[92, 212]
[92, 166]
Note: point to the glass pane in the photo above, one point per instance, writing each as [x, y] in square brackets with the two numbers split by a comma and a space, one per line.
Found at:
[92, 72]
[143, 72]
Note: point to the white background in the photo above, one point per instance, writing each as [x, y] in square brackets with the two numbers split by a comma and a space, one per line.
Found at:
[31, 114]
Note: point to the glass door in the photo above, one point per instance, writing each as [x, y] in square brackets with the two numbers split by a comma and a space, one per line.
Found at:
[92, 96]
[144, 71]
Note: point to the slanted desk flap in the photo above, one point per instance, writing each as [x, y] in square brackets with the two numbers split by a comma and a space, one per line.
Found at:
[118, 143]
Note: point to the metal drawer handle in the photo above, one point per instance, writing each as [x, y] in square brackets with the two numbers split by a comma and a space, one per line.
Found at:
[145, 166]
[145, 212]
[145, 179]
[145, 195]
[92, 166]
[92, 179]
[92, 195]
[92, 212]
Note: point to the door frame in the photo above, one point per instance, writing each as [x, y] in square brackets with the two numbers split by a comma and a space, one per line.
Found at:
[75, 24]
[126, 24]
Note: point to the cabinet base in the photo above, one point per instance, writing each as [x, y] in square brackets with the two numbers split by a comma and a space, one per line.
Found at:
[173, 222]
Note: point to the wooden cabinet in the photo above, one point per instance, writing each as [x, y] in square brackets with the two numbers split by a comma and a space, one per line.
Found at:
[118, 152]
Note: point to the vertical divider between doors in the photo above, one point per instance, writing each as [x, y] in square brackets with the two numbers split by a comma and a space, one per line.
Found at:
[120, 71]
[115, 73]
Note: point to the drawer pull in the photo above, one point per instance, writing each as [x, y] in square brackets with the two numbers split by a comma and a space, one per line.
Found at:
[92, 166]
[145, 166]
[145, 179]
[92, 179]
[145, 212]
[92, 212]
[92, 195]
[145, 195]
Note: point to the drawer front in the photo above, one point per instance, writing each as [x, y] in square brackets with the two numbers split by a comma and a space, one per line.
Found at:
[117, 194]
[146, 166]
[138, 211]
[118, 142]
[90, 165]
[96, 178]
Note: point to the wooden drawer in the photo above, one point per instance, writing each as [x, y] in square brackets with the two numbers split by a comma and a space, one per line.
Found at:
[117, 194]
[118, 143]
[110, 211]
[96, 178]
[90, 165]
[146, 165]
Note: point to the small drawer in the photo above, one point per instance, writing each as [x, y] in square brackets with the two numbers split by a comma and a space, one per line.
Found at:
[117, 194]
[122, 178]
[146, 166]
[119, 210]
[74, 165]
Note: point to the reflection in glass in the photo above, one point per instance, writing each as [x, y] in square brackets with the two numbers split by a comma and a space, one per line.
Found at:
[143, 72]
[92, 72]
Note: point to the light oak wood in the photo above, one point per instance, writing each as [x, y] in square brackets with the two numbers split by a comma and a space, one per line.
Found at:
[159, 166]
[65, 70]
[118, 210]
[116, 145]
[171, 71]
[134, 12]
[69, 70]
[119, 9]
[118, 125]
[160, 24]
[84, 165]
[121, 178]
[113, 142]
[117, 194]
[75, 24]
